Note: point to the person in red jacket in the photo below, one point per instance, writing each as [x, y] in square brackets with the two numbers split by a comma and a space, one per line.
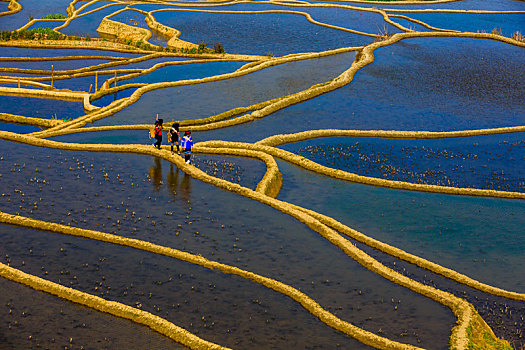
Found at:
[158, 133]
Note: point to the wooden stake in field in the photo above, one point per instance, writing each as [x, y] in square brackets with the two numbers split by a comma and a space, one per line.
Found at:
[115, 97]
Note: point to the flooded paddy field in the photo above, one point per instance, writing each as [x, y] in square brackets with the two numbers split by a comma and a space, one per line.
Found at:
[356, 177]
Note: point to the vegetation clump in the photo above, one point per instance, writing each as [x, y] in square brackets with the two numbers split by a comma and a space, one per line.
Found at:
[518, 36]
[54, 16]
[31, 34]
[218, 48]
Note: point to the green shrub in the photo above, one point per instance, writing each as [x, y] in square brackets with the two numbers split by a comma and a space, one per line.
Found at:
[202, 47]
[54, 16]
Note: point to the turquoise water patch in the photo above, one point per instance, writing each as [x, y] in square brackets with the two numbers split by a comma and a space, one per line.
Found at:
[479, 237]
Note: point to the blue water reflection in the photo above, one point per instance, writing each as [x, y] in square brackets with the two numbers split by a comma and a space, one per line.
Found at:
[480, 237]
[262, 34]
[435, 85]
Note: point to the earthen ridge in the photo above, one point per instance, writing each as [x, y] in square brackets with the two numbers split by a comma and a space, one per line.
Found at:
[306, 302]
[154, 322]
[12, 8]
[462, 309]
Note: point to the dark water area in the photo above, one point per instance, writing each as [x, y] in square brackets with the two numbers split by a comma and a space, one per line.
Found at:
[168, 74]
[38, 320]
[507, 24]
[24, 52]
[21, 129]
[133, 196]
[87, 25]
[433, 85]
[479, 237]
[218, 307]
[204, 100]
[57, 65]
[83, 83]
[131, 18]
[185, 72]
[368, 22]
[117, 137]
[485, 5]
[32, 8]
[490, 162]
[261, 34]
[41, 108]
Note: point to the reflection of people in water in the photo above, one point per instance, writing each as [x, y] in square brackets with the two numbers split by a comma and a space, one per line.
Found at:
[184, 188]
[155, 174]
[173, 181]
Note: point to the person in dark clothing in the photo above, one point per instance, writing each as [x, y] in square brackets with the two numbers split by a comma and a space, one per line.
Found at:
[174, 137]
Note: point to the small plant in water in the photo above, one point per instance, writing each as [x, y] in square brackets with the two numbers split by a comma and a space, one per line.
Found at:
[518, 36]
[496, 31]
[269, 54]
[383, 34]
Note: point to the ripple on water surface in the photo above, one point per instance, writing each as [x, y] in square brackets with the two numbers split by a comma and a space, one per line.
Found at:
[37, 319]
[87, 25]
[189, 215]
[422, 84]
[41, 107]
[261, 34]
[203, 100]
[35, 9]
[507, 24]
[489, 162]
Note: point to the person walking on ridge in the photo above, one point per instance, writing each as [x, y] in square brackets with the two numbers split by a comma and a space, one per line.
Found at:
[187, 145]
[174, 137]
[158, 133]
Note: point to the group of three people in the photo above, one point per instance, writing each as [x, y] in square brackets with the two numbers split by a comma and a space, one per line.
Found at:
[174, 138]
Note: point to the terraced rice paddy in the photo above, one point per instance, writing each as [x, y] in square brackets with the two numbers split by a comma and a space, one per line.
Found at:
[357, 179]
